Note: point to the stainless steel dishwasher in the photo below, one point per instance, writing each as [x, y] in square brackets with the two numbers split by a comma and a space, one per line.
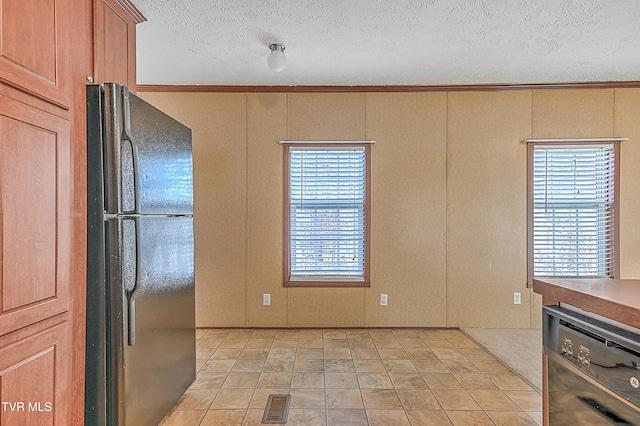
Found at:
[593, 371]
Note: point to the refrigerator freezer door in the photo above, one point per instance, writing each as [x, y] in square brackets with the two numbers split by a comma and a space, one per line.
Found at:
[149, 165]
[159, 365]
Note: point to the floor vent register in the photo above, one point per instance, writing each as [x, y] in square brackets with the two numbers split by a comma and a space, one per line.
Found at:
[277, 409]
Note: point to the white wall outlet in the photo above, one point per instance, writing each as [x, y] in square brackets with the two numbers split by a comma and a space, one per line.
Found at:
[516, 299]
[383, 299]
[266, 299]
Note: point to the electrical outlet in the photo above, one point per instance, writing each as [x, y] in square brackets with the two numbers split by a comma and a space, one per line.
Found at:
[516, 299]
[266, 299]
[383, 299]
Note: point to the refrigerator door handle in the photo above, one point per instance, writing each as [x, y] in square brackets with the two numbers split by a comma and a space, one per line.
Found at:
[126, 119]
[131, 309]
[131, 294]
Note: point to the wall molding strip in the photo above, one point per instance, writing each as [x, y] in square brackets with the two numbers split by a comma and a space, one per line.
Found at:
[347, 89]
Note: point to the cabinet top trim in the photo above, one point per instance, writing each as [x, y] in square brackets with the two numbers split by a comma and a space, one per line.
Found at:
[132, 10]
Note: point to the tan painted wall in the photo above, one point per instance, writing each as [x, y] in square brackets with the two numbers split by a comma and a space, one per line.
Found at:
[408, 251]
[448, 200]
[627, 124]
[487, 206]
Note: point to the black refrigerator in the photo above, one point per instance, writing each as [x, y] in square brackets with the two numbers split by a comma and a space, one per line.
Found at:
[140, 355]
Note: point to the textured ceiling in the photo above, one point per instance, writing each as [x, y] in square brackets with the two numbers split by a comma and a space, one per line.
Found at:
[389, 42]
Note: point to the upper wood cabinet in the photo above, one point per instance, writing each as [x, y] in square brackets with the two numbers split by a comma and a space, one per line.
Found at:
[114, 42]
[35, 48]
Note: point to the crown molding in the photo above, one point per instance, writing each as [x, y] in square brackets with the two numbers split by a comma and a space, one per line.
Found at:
[350, 89]
[132, 10]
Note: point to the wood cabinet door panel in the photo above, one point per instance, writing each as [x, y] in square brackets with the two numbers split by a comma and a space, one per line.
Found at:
[35, 214]
[114, 44]
[116, 66]
[34, 377]
[34, 55]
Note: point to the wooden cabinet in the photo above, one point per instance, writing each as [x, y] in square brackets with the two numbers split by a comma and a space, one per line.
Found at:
[41, 181]
[114, 41]
[48, 48]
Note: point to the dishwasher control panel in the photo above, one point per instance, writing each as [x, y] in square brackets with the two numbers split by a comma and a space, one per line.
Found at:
[575, 349]
[580, 355]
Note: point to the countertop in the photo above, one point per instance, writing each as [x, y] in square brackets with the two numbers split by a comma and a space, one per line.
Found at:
[618, 300]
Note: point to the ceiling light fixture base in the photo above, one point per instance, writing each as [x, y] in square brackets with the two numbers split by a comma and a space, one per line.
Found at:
[277, 46]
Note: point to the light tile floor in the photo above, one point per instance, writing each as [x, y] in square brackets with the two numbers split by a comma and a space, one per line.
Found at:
[353, 376]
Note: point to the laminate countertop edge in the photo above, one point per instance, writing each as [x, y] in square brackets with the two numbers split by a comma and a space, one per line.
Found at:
[618, 300]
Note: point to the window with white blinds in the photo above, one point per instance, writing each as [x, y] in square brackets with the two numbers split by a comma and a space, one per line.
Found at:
[327, 229]
[574, 210]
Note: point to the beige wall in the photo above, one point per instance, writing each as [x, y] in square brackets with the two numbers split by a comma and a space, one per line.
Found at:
[486, 214]
[627, 123]
[448, 200]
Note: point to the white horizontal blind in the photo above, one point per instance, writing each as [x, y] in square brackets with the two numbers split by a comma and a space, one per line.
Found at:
[573, 210]
[327, 201]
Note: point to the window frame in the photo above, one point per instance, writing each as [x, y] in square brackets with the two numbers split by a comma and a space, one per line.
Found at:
[531, 145]
[287, 281]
